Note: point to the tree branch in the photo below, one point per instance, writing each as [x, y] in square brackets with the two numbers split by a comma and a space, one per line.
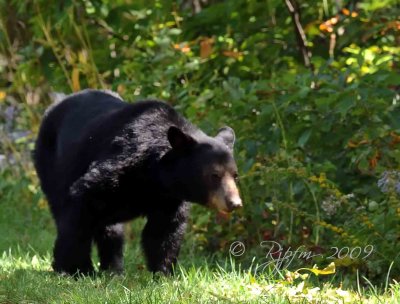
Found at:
[301, 36]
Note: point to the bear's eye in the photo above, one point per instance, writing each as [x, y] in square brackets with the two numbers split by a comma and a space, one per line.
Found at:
[215, 176]
[236, 176]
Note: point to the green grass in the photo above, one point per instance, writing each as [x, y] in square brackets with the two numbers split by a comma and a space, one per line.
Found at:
[27, 235]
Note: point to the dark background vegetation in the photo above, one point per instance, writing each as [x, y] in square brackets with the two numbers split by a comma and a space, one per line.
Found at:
[310, 87]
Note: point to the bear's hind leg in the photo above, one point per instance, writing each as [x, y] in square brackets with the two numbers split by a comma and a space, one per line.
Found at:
[110, 242]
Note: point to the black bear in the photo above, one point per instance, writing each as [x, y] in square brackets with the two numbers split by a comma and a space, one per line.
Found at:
[102, 161]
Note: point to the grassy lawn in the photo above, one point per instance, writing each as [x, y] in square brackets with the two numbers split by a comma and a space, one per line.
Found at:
[27, 235]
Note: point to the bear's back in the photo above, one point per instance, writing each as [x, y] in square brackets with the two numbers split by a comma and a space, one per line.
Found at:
[75, 113]
[96, 127]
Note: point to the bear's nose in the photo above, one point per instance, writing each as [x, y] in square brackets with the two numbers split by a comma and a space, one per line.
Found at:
[233, 203]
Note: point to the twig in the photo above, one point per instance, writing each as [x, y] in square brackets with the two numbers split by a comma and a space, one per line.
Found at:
[107, 28]
[301, 36]
[52, 44]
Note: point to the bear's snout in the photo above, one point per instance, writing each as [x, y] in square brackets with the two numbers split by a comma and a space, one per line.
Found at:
[227, 197]
[233, 203]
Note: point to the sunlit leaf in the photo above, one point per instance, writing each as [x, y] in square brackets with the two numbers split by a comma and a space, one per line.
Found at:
[76, 86]
[330, 269]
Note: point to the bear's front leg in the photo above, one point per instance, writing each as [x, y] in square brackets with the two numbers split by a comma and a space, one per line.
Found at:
[162, 237]
[72, 248]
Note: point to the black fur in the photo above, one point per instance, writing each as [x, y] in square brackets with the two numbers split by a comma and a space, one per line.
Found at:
[102, 162]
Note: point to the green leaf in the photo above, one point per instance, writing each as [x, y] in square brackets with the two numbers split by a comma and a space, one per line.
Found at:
[345, 105]
[304, 138]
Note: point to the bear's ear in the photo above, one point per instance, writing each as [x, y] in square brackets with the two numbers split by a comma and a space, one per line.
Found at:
[178, 139]
[227, 136]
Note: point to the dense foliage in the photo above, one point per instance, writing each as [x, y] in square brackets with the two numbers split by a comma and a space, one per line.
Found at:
[317, 116]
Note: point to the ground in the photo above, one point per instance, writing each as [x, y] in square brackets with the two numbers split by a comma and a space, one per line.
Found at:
[26, 276]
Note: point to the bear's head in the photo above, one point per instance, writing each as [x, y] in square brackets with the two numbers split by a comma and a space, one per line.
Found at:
[202, 169]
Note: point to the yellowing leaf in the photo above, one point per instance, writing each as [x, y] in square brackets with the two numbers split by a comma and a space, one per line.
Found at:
[75, 80]
[32, 188]
[346, 11]
[83, 56]
[42, 204]
[183, 47]
[206, 47]
[2, 95]
[334, 20]
[330, 269]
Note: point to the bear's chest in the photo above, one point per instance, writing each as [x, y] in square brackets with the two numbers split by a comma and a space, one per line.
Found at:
[126, 205]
